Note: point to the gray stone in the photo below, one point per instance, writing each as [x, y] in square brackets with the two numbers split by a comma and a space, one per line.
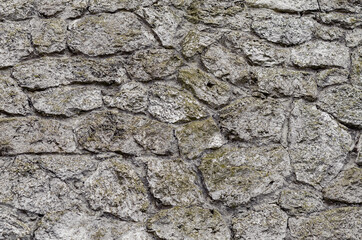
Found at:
[15, 43]
[48, 35]
[353, 38]
[254, 119]
[283, 82]
[17, 9]
[286, 6]
[344, 103]
[198, 136]
[67, 101]
[333, 224]
[196, 41]
[205, 87]
[345, 20]
[115, 188]
[26, 186]
[347, 187]
[332, 76]
[320, 54]
[106, 34]
[131, 97]
[359, 151]
[356, 71]
[171, 105]
[263, 222]
[12, 99]
[329, 33]
[297, 200]
[318, 145]
[150, 64]
[82, 226]
[347, 5]
[173, 182]
[235, 175]
[62, 8]
[35, 135]
[226, 65]
[52, 72]
[96, 6]
[282, 29]
[189, 223]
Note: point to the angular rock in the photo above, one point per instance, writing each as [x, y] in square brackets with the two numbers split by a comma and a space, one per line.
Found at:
[49, 35]
[338, 223]
[196, 41]
[283, 29]
[225, 65]
[12, 99]
[113, 131]
[64, 8]
[353, 38]
[328, 33]
[264, 222]
[106, 34]
[115, 188]
[333, 5]
[198, 136]
[205, 87]
[344, 103]
[325, 54]
[286, 6]
[173, 182]
[52, 72]
[146, 65]
[253, 119]
[131, 97]
[35, 135]
[235, 175]
[347, 187]
[300, 200]
[17, 9]
[15, 43]
[345, 20]
[66, 225]
[96, 6]
[356, 71]
[67, 101]
[26, 186]
[332, 76]
[318, 145]
[189, 223]
[171, 105]
[283, 82]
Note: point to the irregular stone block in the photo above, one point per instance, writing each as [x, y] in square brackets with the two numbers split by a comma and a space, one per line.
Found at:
[325, 54]
[49, 35]
[253, 119]
[235, 175]
[332, 76]
[52, 72]
[283, 82]
[347, 187]
[344, 103]
[35, 135]
[264, 222]
[17, 9]
[345, 20]
[196, 41]
[356, 71]
[171, 105]
[172, 182]
[12, 99]
[96, 6]
[63, 8]
[283, 29]
[189, 223]
[328, 33]
[146, 65]
[318, 145]
[339, 223]
[15, 43]
[106, 34]
[333, 5]
[286, 6]
[198, 136]
[205, 87]
[353, 38]
[115, 188]
[225, 65]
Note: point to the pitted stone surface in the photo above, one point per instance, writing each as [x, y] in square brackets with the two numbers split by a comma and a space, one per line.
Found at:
[287, 6]
[112, 6]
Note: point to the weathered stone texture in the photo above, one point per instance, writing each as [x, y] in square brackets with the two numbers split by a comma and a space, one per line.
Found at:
[12, 99]
[287, 6]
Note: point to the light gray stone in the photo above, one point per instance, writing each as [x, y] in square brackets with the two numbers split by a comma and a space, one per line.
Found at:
[189, 223]
[52, 72]
[318, 145]
[286, 6]
[353, 38]
[67, 101]
[332, 76]
[63, 8]
[17, 9]
[235, 175]
[196, 41]
[329, 33]
[106, 34]
[344, 20]
[171, 105]
[96, 6]
[263, 222]
[346, 5]
[320, 54]
[356, 71]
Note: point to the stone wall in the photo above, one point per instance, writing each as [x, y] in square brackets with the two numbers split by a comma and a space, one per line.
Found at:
[180, 119]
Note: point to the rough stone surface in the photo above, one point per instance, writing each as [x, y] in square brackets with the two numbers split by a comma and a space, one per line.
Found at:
[287, 6]
[189, 223]
[112, 6]
[356, 75]
[344, 20]
[349, 5]
[235, 175]
[332, 76]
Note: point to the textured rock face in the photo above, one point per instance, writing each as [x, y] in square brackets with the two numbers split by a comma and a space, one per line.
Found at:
[180, 119]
